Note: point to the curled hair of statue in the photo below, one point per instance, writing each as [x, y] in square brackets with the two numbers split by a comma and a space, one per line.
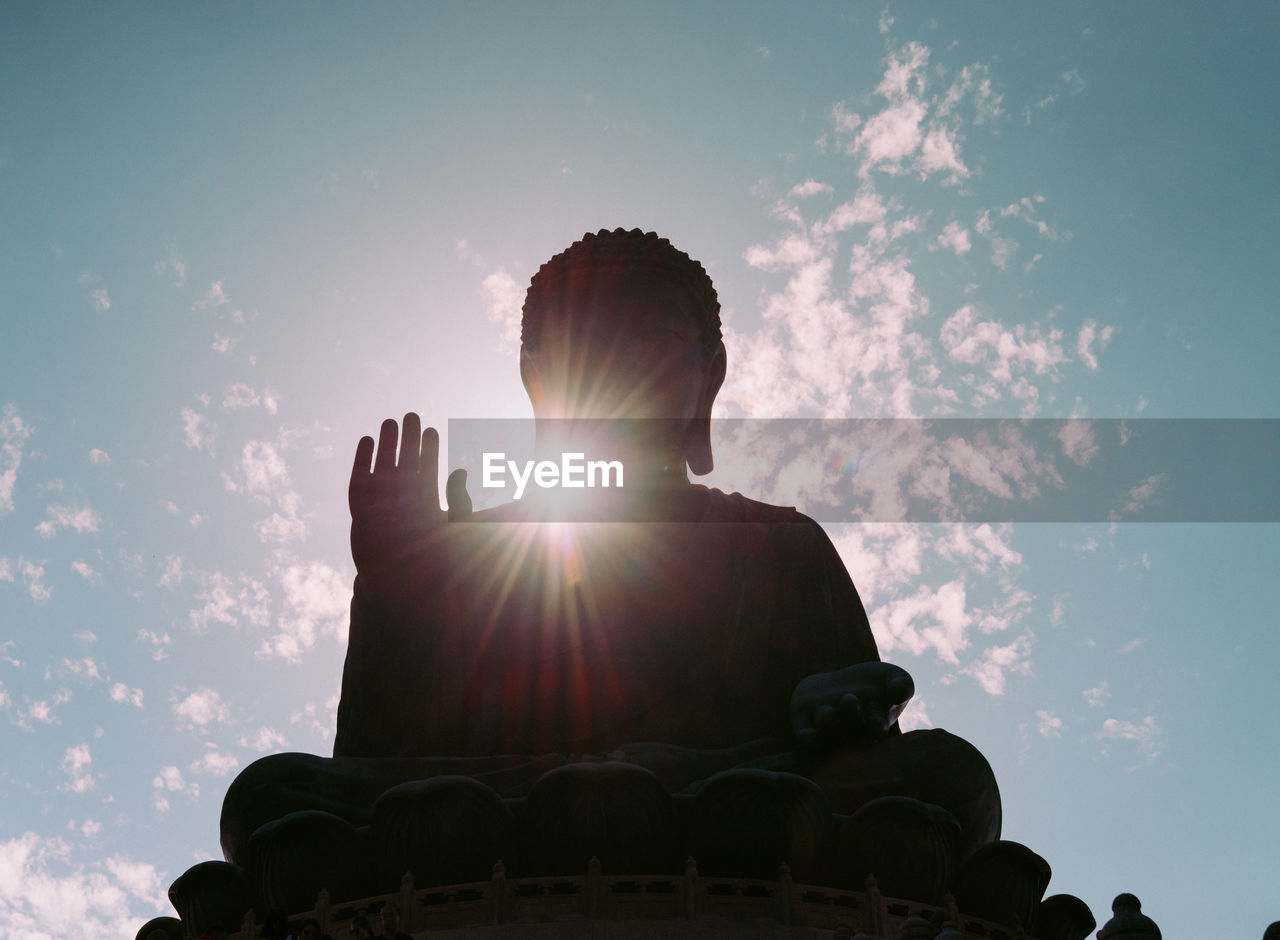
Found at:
[618, 254]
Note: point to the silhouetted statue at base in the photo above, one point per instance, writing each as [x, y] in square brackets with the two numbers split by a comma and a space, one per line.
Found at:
[690, 633]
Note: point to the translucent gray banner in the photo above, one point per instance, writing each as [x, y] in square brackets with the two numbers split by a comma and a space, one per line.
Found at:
[908, 470]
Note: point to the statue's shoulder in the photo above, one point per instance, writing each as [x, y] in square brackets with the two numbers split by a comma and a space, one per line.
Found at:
[734, 507]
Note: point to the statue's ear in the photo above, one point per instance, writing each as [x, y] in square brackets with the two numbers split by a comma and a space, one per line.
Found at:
[698, 443]
[531, 376]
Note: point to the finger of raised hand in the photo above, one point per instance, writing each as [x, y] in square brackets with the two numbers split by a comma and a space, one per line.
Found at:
[410, 454]
[387, 437]
[361, 478]
[825, 718]
[429, 469]
[457, 497]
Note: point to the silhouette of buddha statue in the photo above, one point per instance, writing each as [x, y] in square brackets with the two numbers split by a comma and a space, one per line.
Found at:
[681, 629]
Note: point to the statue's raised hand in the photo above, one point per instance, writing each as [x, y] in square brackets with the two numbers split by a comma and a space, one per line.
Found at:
[857, 703]
[395, 506]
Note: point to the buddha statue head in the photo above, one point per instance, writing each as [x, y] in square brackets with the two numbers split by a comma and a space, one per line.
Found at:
[622, 327]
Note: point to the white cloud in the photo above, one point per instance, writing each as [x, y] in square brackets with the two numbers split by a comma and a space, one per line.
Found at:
[927, 619]
[940, 154]
[99, 457]
[1096, 696]
[320, 719]
[1007, 355]
[1048, 724]
[1078, 441]
[956, 237]
[213, 297]
[1146, 735]
[173, 570]
[215, 763]
[1084, 342]
[809, 187]
[81, 519]
[240, 395]
[915, 716]
[197, 431]
[264, 471]
[503, 300]
[13, 434]
[201, 708]
[86, 571]
[83, 668]
[98, 296]
[33, 577]
[264, 739]
[122, 693]
[169, 778]
[175, 266]
[1025, 209]
[280, 530]
[159, 643]
[1146, 492]
[997, 661]
[227, 602]
[316, 600]
[41, 711]
[43, 895]
[6, 569]
[1002, 249]
[75, 764]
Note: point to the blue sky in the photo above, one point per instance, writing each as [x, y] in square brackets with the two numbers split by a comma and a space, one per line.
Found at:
[233, 238]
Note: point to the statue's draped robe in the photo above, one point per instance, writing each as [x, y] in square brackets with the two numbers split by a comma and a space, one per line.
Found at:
[583, 638]
[502, 650]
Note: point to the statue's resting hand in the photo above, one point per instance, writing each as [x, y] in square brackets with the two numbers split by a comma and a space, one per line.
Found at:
[395, 506]
[858, 703]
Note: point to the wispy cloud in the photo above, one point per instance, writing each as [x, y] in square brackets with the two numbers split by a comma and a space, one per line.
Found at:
[99, 457]
[76, 763]
[998, 662]
[316, 600]
[80, 519]
[13, 436]
[42, 894]
[33, 578]
[503, 299]
[1048, 724]
[86, 571]
[175, 267]
[263, 740]
[1146, 734]
[96, 292]
[221, 600]
[157, 643]
[125, 695]
[201, 709]
[197, 431]
[1095, 697]
[213, 297]
[214, 762]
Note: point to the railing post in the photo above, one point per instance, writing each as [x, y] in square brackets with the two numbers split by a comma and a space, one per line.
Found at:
[690, 888]
[322, 909]
[784, 890]
[875, 908]
[497, 892]
[408, 910]
[593, 888]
